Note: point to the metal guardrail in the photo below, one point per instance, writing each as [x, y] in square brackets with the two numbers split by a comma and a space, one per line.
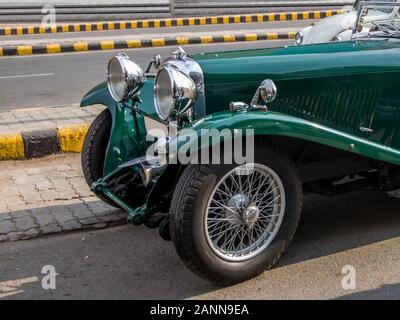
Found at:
[140, 10]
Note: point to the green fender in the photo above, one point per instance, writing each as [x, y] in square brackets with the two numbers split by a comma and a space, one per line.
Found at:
[277, 124]
[128, 132]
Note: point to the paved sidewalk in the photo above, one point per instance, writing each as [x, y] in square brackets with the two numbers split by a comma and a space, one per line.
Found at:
[47, 196]
[19, 120]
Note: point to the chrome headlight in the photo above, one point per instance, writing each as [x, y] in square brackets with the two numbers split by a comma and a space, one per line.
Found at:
[299, 38]
[125, 78]
[174, 91]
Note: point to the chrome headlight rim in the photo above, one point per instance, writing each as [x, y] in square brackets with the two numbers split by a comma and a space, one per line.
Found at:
[131, 73]
[182, 89]
[299, 38]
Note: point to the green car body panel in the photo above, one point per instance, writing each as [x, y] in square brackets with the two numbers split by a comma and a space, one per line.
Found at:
[344, 95]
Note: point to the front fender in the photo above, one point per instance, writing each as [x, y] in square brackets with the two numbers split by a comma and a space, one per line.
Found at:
[277, 124]
[128, 133]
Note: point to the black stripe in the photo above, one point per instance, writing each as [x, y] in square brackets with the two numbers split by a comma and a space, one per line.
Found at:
[174, 23]
[195, 40]
[82, 27]
[185, 22]
[196, 21]
[10, 51]
[94, 46]
[59, 29]
[208, 20]
[323, 14]
[254, 18]
[2, 32]
[40, 143]
[231, 19]
[25, 30]
[312, 15]
[277, 17]
[13, 31]
[71, 28]
[240, 37]
[105, 26]
[220, 20]
[283, 36]
[162, 23]
[39, 49]
[288, 16]
[218, 39]
[300, 16]
[120, 44]
[242, 19]
[261, 36]
[146, 43]
[265, 17]
[170, 42]
[117, 25]
[67, 47]
[151, 24]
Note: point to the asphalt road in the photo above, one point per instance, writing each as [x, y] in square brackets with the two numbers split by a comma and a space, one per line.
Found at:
[63, 79]
[127, 262]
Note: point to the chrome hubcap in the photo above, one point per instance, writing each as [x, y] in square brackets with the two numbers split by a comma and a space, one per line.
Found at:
[244, 212]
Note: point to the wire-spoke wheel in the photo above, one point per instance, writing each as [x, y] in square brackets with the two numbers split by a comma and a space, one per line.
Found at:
[229, 223]
[244, 212]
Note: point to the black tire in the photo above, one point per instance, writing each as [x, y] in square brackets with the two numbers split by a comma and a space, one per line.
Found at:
[94, 150]
[188, 208]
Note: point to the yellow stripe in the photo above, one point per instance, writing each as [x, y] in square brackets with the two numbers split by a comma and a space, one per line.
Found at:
[282, 17]
[99, 26]
[77, 28]
[11, 147]
[229, 38]
[260, 18]
[225, 19]
[206, 39]
[158, 42]
[133, 43]
[133, 24]
[19, 31]
[88, 27]
[271, 17]
[292, 35]
[182, 40]
[248, 19]
[272, 36]
[145, 24]
[54, 48]
[24, 50]
[214, 20]
[203, 21]
[179, 22]
[7, 31]
[168, 22]
[80, 46]
[294, 16]
[111, 26]
[191, 21]
[71, 138]
[42, 29]
[306, 16]
[1, 52]
[65, 28]
[53, 29]
[156, 23]
[107, 45]
[251, 37]
[317, 15]
[236, 19]
[31, 30]
[329, 13]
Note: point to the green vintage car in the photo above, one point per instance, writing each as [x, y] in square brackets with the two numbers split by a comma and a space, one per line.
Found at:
[321, 118]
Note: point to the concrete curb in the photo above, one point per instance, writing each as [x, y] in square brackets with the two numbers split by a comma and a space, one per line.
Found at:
[175, 22]
[52, 48]
[40, 143]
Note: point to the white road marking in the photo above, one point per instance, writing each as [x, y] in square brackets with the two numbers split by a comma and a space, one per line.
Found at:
[28, 75]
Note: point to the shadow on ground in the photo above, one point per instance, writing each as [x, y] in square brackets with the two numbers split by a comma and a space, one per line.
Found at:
[134, 263]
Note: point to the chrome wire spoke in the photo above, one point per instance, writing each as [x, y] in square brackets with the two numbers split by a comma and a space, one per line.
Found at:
[244, 212]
